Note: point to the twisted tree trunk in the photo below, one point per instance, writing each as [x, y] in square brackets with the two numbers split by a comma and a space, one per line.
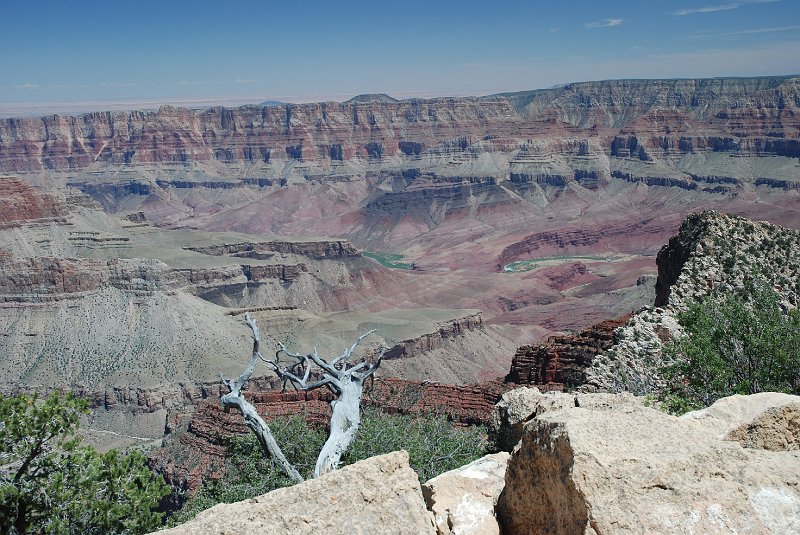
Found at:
[345, 420]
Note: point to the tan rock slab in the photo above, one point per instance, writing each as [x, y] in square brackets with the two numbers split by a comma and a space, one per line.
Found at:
[463, 500]
[521, 405]
[638, 470]
[377, 496]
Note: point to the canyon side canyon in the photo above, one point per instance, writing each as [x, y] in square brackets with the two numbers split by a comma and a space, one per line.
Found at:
[131, 243]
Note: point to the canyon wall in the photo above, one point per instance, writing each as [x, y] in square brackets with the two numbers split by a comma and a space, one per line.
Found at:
[639, 119]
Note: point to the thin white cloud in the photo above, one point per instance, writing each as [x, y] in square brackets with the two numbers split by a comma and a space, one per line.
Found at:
[706, 35]
[26, 86]
[118, 84]
[765, 30]
[244, 81]
[554, 30]
[605, 23]
[68, 86]
[707, 9]
[721, 7]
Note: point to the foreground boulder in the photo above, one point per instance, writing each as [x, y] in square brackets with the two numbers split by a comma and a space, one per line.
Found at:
[380, 495]
[521, 405]
[463, 500]
[584, 469]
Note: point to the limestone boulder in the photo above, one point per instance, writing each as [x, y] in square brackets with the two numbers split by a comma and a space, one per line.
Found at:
[376, 496]
[463, 500]
[591, 470]
[734, 417]
[521, 405]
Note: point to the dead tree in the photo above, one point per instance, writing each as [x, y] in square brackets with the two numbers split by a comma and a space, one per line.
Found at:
[251, 418]
[344, 379]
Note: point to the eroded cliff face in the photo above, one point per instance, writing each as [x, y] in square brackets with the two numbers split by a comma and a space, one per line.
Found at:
[327, 131]
[563, 360]
[713, 253]
[756, 115]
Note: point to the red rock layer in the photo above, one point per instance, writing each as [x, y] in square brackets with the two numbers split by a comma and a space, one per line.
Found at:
[199, 452]
[562, 360]
[21, 202]
[629, 118]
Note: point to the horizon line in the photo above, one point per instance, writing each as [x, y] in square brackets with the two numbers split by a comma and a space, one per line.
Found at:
[80, 107]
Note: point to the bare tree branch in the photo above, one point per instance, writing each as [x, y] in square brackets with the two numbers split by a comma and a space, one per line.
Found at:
[348, 352]
[344, 380]
[251, 417]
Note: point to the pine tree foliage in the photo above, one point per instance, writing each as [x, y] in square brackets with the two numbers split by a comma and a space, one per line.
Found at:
[50, 483]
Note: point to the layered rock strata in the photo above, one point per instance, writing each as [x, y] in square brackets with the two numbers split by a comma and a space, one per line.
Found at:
[198, 452]
[563, 359]
[634, 118]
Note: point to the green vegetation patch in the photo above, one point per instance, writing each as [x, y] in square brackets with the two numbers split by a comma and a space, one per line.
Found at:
[741, 343]
[521, 266]
[50, 483]
[389, 260]
[433, 444]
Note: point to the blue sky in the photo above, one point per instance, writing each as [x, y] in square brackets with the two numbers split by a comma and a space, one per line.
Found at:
[237, 51]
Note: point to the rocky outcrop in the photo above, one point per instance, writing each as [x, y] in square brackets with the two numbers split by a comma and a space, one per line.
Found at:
[563, 359]
[766, 421]
[427, 342]
[314, 249]
[463, 500]
[632, 469]
[380, 495]
[521, 405]
[713, 253]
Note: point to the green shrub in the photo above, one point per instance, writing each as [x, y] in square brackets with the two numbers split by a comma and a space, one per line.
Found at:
[49, 483]
[434, 446]
[736, 344]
